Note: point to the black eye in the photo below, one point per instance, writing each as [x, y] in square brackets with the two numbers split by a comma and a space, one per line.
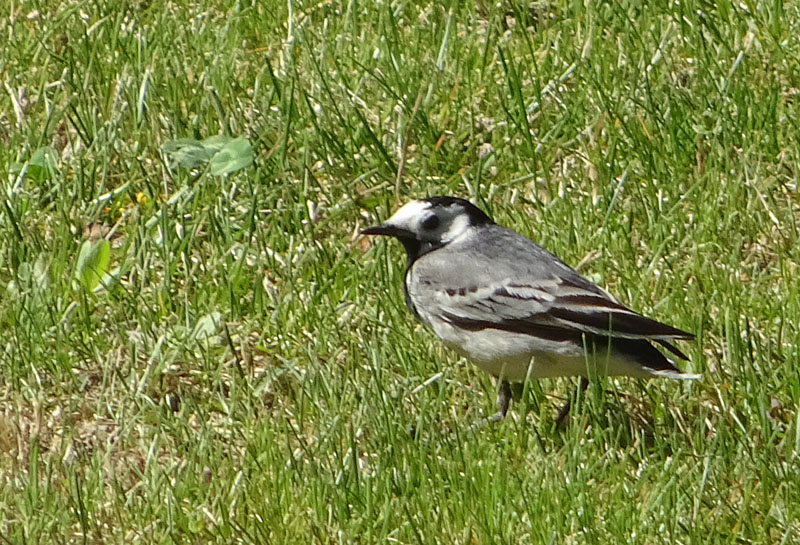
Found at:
[430, 223]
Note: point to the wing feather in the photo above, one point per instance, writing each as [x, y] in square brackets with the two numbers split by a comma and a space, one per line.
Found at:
[517, 307]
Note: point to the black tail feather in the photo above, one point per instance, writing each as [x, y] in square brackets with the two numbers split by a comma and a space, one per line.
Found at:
[645, 354]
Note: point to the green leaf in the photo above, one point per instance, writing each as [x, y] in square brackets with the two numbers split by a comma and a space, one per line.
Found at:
[187, 153]
[235, 155]
[215, 143]
[41, 166]
[224, 154]
[41, 273]
[92, 264]
[108, 280]
[208, 326]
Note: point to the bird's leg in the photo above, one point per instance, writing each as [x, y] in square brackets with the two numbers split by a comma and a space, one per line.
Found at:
[503, 401]
[563, 414]
[517, 389]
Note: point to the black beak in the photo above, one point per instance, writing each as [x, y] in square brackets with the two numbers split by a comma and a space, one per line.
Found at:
[387, 230]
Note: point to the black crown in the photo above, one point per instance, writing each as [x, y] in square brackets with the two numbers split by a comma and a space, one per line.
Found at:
[476, 215]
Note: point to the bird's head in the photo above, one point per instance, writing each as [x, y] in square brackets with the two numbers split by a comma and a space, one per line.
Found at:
[427, 224]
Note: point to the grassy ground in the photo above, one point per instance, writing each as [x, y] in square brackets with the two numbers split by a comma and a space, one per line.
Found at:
[241, 368]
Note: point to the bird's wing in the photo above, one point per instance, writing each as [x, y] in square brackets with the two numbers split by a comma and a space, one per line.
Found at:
[544, 297]
[555, 304]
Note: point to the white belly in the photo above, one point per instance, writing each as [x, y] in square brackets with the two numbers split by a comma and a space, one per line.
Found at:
[509, 355]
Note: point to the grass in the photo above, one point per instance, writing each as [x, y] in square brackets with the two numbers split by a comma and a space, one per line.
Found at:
[246, 372]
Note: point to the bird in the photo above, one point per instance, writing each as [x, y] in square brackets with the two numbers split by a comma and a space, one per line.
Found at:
[516, 310]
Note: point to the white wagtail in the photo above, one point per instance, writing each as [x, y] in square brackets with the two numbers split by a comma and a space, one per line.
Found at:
[515, 309]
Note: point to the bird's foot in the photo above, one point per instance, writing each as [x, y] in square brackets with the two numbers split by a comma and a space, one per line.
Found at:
[503, 402]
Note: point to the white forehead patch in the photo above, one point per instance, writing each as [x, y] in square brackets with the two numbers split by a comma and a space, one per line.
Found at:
[409, 214]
